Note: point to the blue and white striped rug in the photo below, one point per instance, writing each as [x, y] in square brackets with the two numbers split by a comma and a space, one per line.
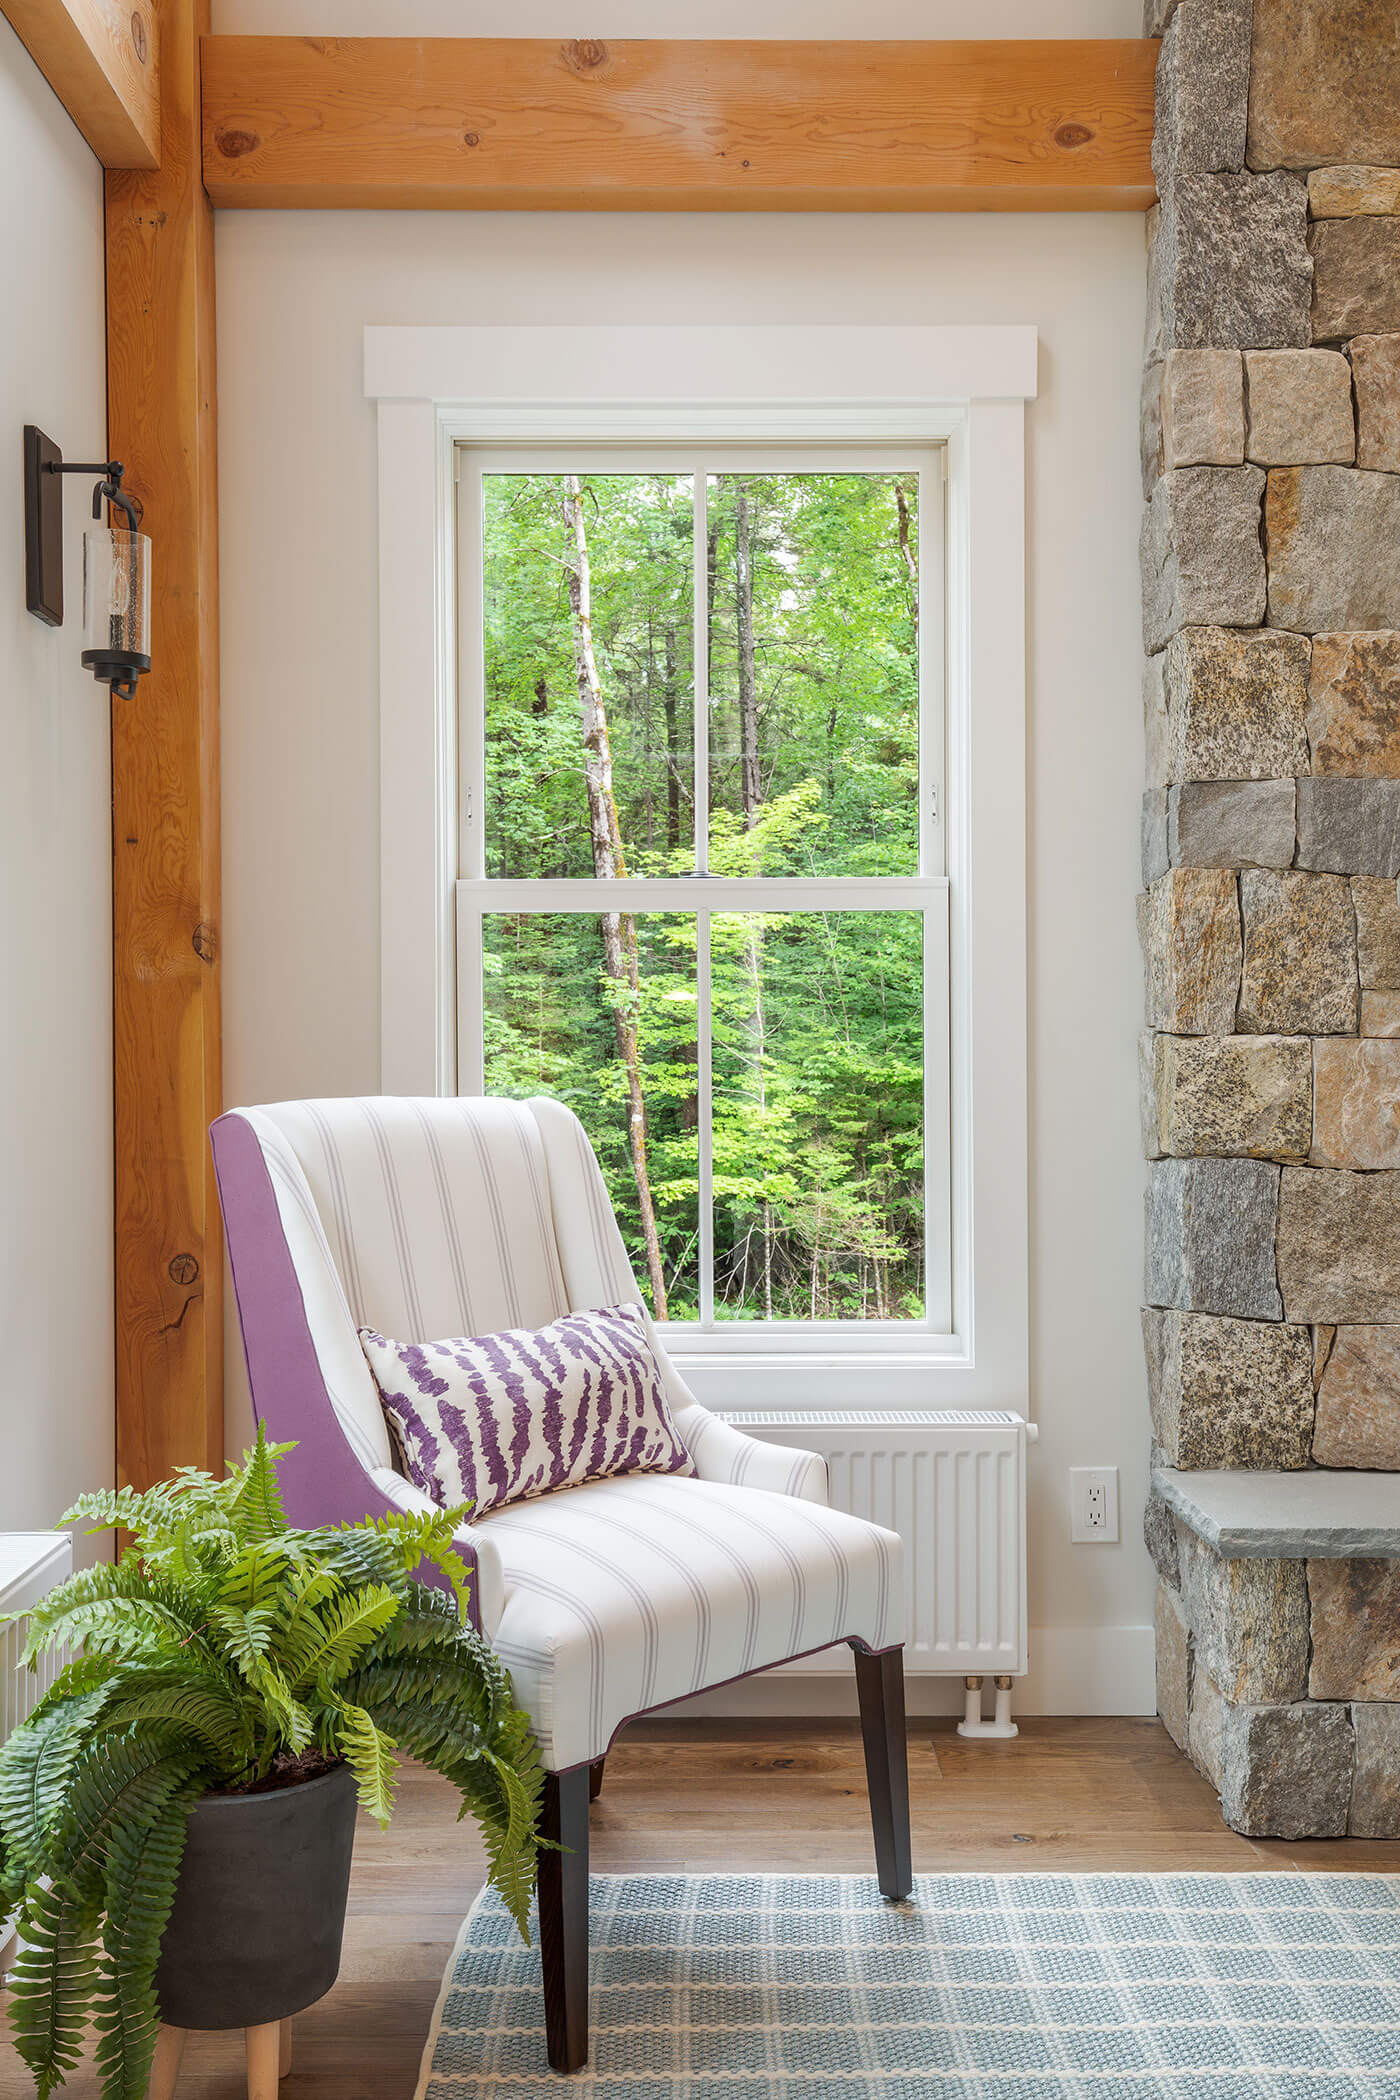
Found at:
[1022, 1986]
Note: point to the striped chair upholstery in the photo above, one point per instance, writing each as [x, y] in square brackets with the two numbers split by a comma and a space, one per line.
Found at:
[426, 1219]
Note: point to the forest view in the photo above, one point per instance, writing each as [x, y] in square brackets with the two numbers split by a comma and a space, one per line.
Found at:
[811, 601]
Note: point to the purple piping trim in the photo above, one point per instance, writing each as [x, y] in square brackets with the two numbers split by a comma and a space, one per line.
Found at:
[322, 1481]
[895, 1648]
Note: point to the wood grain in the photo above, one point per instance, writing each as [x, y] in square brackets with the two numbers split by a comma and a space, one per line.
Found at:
[165, 798]
[714, 1797]
[504, 124]
[100, 57]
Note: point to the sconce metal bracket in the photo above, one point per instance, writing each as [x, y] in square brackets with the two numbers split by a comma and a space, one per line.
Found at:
[43, 527]
[44, 468]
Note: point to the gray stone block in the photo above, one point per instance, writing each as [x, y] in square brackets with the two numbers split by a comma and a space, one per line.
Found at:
[1332, 534]
[1202, 561]
[1210, 1237]
[1299, 406]
[1232, 824]
[1380, 1013]
[1237, 1096]
[1227, 1392]
[1234, 705]
[1150, 453]
[1325, 83]
[1159, 1537]
[1355, 1608]
[1205, 1726]
[1356, 1103]
[1299, 971]
[1353, 192]
[1354, 705]
[1230, 264]
[1189, 925]
[1375, 1793]
[1377, 909]
[1202, 408]
[1202, 91]
[1250, 1623]
[1173, 1646]
[1155, 857]
[1339, 1246]
[1356, 278]
[1375, 365]
[1156, 14]
[1155, 729]
[1349, 827]
[1309, 1515]
[1286, 1771]
[1358, 1401]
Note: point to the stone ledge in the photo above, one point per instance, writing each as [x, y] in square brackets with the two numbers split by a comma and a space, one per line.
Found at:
[1314, 1515]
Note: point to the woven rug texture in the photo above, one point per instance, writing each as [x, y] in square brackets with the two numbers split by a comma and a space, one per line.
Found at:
[1018, 1986]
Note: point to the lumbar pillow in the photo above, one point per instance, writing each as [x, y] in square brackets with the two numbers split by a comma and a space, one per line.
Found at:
[498, 1417]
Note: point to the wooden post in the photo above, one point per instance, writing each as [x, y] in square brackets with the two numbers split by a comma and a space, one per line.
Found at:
[165, 796]
[264, 2046]
[165, 2066]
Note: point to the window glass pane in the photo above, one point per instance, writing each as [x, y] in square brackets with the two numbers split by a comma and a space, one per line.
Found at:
[818, 1115]
[599, 1010]
[589, 603]
[814, 673]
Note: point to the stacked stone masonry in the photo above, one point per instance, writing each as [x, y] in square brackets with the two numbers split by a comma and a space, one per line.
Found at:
[1269, 915]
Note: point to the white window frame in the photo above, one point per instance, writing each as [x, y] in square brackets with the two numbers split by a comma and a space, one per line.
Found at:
[964, 389]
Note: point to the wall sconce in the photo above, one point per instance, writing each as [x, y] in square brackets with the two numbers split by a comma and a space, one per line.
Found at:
[116, 564]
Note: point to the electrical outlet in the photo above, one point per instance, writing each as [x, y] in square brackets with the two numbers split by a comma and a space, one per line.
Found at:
[1093, 1504]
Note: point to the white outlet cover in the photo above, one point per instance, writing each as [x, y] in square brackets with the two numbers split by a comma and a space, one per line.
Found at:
[1093, 1505]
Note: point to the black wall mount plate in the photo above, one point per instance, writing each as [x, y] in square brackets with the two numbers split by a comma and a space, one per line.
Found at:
[43, 527]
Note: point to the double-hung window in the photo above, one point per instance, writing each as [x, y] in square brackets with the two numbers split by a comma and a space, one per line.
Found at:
[703, 893]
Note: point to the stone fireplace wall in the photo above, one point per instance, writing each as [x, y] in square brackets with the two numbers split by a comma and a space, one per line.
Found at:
[1271, 846]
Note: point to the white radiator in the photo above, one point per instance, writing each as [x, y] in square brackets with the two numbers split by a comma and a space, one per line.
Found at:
[31, 1563]
[954, 1487]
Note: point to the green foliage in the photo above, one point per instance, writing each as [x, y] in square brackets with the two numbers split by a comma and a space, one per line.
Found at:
[220, 1644]
[817, 1030]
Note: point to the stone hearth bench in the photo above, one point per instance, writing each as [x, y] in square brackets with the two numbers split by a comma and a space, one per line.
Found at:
[1278, 1644]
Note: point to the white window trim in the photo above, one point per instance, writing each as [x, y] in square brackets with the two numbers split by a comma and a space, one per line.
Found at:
[963, 387]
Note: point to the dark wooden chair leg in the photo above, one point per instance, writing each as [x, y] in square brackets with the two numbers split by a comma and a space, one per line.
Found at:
[595, 1778]
[564, 1917]
[880, 1683]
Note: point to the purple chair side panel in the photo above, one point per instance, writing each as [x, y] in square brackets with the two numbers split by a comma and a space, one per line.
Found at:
[322, 1481]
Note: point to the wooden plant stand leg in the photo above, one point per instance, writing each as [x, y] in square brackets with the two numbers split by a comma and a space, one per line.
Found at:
[880, 1684]
[264, 2058]
[595, 1778]
[564, 1918]
[165, 2065]
[284, 2048]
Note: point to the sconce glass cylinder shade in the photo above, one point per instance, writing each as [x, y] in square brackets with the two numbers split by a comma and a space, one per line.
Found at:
[116, 606]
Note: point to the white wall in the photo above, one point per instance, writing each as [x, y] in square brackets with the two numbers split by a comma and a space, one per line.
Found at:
[55, 840]
[300, 725]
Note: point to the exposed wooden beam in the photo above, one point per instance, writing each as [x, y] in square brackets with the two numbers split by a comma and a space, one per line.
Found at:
[100, 58]
[518, 124]
[165, 796]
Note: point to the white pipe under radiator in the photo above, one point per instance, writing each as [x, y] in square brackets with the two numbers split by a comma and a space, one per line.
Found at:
[953, 1485]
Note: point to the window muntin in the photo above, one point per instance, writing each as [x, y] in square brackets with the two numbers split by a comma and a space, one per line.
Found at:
[781, 1204]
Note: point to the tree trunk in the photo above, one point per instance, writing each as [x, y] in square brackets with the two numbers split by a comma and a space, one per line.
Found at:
[619, 929]
[906, 548]
[750, 792]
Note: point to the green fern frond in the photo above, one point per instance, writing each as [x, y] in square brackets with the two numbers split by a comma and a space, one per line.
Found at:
[346, 1630]
[200, 1707]
[257, 1505]
[370, 1756]
[143, 1865]
[53, 1981]
[36, 1764]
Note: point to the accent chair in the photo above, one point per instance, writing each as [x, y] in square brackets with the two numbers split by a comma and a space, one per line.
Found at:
[427, 1219]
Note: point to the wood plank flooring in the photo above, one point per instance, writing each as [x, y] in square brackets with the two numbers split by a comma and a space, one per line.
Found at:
[715, 1796]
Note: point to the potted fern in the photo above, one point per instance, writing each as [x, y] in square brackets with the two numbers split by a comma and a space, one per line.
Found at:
[238, 1687]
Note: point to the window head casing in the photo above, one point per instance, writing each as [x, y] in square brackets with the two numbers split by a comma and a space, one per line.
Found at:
[613, 410]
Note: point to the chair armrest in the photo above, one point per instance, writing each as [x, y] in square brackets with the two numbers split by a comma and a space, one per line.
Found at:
[726, 1454]
[479, 1552]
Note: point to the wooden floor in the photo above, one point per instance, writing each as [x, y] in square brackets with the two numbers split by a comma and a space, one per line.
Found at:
[707, 1797]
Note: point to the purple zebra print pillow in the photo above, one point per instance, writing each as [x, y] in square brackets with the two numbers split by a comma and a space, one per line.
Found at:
[498, 1417]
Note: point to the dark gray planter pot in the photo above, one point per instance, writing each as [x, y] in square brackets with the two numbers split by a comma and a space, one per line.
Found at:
[255, 1932]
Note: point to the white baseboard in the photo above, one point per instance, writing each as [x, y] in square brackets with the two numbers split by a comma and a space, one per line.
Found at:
[1073, 1670]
